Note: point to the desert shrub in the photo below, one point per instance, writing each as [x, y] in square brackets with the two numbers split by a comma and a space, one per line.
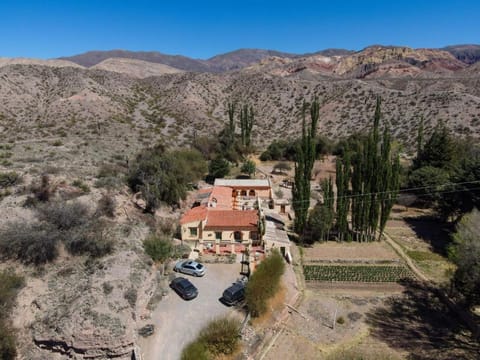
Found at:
[107, 205]
[264, 283]
[9, 179]
[340, 320]
[91, 238]
[81, 185]
[10, 284]
[110, 170]
[8, 349]
[196, 350]
[158, 248]
[34, 243]
[219, 337]
[131, 296]
[107, 288]
[64, 215]
[43, 190]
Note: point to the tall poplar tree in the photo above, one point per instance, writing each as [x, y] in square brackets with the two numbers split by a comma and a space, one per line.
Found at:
[246, 124]
[305, 158]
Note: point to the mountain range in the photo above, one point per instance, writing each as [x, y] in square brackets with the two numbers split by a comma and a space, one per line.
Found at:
[119, 101]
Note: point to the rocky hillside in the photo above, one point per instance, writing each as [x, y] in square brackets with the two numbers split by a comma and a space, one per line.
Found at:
[120, 105]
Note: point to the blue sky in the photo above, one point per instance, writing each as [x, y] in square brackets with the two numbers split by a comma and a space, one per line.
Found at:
[201, 29]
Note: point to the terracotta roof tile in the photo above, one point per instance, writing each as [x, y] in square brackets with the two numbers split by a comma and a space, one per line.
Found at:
[223, 197]
[195, 214]
[232, 219]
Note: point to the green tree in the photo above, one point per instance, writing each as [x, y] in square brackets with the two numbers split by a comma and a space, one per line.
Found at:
[465, 252]
[439, 151]
[428, 181]
[246, 125]
[219, 168]
[158, 248]
[249, 168]
[163, 176]
[320, 220]
[305, 158]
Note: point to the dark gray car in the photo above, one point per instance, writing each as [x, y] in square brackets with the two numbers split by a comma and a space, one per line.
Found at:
[234, 294]
[184, 288]
[190, 267]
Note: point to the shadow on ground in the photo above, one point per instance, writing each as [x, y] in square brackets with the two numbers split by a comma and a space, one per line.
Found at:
[419, 323]
[432, 231]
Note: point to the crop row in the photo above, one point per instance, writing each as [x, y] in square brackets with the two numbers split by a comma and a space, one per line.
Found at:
[360, 273]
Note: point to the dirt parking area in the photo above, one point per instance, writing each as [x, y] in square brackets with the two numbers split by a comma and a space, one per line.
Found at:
[177, 322]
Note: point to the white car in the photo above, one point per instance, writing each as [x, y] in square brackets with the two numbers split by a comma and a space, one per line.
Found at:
[190, 267]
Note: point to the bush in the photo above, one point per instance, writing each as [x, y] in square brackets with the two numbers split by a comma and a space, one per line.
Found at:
[8, 349]
[159, 249]
[131, 296]
[10, 284]
[107, 205]
[220, 337]
[91, 239]
[43, 190]
[81, 185]
[30, 243]
[264, 283]
[64, 215]
[196, 350]
[9, 179]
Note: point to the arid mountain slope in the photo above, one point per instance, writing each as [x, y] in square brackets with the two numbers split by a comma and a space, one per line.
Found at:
[106, 113]
[136, 68]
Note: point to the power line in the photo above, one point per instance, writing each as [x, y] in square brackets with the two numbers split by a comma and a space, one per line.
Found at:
[406, 190]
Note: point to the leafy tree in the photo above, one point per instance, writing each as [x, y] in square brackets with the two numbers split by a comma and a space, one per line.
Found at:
[165, 176]
[159, 249]
[465, 252]
[219, 168]
[464, 196]
[249, 168]
[321, 218]
[429, 181]
[246, 125]
[305, 158]
[439, 151]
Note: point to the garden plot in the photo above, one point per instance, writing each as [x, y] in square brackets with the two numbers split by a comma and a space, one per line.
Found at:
[356, 273]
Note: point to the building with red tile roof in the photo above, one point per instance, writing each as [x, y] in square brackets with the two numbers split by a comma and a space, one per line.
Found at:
[229, 220]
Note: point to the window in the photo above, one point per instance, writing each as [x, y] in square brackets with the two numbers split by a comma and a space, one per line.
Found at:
[251, 193]
[193, 231]
[218, 235]
[254, 235]
[237, 235]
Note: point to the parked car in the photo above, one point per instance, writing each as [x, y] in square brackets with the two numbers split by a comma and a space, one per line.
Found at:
[190, 267]
[234, 294]
[184, 288]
